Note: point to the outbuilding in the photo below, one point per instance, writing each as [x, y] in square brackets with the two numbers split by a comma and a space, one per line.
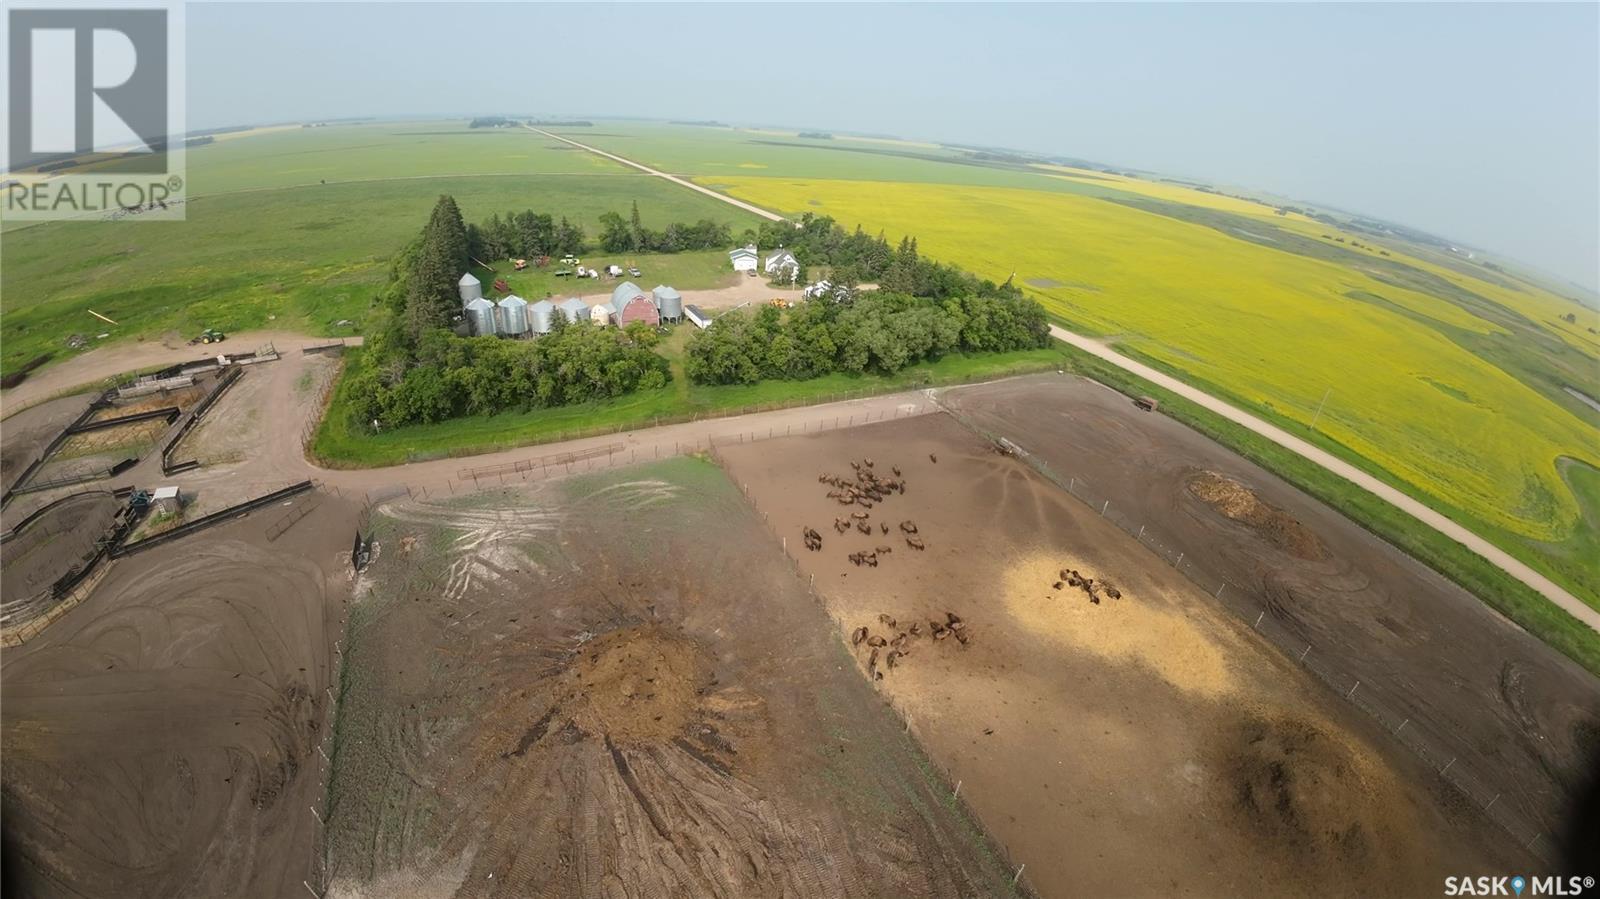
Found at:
[698, 318]
[630, 304]
[166, 500]
[600, 313]
[743, 258]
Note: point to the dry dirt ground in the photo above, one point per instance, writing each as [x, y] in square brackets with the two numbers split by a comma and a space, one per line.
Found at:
[616, 685]
[1147, 745]
[159, 738]
[1521, 716]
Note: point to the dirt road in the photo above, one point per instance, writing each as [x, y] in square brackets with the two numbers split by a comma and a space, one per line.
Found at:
[1502, 559]
[770, 216]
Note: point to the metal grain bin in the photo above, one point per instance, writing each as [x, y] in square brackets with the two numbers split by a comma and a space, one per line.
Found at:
[574, 309]
[471, 288]
[514, 316]
[481, 318]
[540, 315]
[669, 303]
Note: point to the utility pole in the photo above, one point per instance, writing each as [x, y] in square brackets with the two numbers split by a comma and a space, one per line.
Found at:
[1319, 407]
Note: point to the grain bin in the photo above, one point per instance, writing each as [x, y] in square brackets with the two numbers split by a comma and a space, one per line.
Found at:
[669, 303]
[471, 288]
[514, 316]
[574, 309]
[480, 316]
[540, 315]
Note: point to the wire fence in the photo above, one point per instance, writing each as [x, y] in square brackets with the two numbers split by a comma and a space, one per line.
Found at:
[1455, 760]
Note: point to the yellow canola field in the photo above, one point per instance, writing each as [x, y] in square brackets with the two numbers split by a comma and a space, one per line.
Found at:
[1271, 328]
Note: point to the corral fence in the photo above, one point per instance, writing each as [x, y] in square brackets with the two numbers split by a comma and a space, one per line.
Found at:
[214, 518]
[195, 415]
[1450, 756]
[24, 484]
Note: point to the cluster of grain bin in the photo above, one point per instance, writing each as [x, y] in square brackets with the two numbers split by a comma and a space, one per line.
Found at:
[516, 317]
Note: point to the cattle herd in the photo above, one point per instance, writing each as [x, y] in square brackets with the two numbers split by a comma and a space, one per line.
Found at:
[866, 490]
[1092, 588]
[897, 647]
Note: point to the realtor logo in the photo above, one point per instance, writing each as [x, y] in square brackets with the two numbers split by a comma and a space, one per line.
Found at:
[93, 99]
[89, 81]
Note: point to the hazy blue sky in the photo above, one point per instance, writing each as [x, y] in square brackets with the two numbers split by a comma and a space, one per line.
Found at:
[1478, 122]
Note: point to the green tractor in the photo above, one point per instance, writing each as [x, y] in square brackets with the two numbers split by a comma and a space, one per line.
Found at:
[210, 335]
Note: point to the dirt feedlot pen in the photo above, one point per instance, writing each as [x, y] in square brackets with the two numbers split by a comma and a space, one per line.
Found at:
[1518, 793]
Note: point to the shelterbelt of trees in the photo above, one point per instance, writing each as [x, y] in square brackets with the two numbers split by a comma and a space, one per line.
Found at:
[876, 331]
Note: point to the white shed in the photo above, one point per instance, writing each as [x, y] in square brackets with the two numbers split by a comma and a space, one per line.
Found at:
[600, 314]
[166, 500]
[743, 258]
[700, 319]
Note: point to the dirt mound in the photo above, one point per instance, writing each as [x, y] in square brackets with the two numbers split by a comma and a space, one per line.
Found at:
[1297, 786]
[637, 686]
[1239, 503]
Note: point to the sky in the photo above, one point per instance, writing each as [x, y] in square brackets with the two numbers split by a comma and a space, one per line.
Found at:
[1476, 122]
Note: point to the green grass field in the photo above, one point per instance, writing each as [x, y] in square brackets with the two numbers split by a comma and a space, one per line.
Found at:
[685, 271]
[267, 245]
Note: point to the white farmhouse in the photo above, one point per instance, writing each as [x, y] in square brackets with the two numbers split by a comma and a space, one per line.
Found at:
[782, 265]
[744, 258]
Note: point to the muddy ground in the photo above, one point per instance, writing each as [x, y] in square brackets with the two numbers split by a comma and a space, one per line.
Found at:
[62, 538]
[1147, 745]
[616, 685]
[159, 738]
[25, 435]
[1521, 717]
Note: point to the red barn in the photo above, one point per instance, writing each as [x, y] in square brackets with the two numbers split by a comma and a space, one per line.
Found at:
[633, 305]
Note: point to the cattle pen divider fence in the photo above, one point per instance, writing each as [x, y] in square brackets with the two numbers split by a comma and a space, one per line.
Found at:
[1454, 759]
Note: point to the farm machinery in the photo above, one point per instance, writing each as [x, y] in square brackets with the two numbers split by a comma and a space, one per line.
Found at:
[209, 335]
